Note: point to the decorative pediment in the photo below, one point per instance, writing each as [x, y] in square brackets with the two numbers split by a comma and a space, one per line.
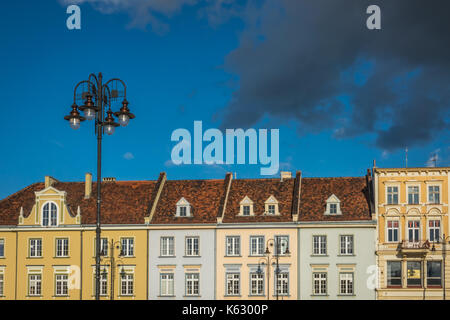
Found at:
[246, 201]
[183, 202]
[183, 208]
[271, 200]
[333, 206]
[333, 199]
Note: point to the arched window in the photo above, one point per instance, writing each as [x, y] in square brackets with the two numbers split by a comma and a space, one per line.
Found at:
[50, 214]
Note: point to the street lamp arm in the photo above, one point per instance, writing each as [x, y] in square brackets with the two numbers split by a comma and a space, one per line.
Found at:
[121, 81]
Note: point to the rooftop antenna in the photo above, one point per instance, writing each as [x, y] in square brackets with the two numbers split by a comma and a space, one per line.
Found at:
[434, 159]
[406, 157]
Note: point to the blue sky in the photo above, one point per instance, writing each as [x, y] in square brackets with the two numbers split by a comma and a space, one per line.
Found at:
[174, 78]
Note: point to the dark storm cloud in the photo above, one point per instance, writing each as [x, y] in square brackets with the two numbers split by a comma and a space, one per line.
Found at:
[299, 57]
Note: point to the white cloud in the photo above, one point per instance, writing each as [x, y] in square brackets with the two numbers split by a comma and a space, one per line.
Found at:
[128, 156]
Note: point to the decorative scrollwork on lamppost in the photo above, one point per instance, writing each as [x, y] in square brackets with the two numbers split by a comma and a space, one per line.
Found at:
[97, 99]
[276, 242]
[112, 262]
[444, 240]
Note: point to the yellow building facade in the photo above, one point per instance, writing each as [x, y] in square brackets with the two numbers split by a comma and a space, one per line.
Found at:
[412, 211]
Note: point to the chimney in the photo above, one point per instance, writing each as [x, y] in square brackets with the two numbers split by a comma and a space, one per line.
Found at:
[49, 181]
[88, 185]
[285, 175]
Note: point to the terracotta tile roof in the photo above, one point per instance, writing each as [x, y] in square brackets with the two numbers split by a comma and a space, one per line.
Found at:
[204, 196]
[259, 190]
[352, 192]
[123, 202]
[10, 206]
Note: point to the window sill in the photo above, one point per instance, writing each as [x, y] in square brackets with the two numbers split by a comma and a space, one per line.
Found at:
[257, 295]
[126, 295]
[319, 295]
[166, 256]
[58, 257]
[192, 256]
[35, 257]
[319, 255]
[346, 255]
[233, 256]
[257, 255]
[34, 296]
[61, 296]
[346, 295]
[192, 296]
[167, 296]
[232, 295]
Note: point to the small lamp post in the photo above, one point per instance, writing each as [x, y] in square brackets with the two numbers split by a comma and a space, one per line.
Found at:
[444, 240]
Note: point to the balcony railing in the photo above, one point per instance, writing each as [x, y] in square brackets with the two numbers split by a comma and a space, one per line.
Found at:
[415, 245]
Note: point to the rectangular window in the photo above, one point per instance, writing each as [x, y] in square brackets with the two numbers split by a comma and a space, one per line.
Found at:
[61, 283]
[414, 273]
[34, 285]
[320, 245]
[192, 284]
[413, 195]
[192, 246]
[103, 246]
[35, 247]
[62, 247]
[347, 244]
[435, 228]
[392, 231]
[2, 285]
[282, 284]
[256, 245]
[127, 247]
[183, 211]
[394, 273]
[166, 284]
[433, 195]
[320, 283]
[346, 283]
[103, 283]
[256, 284]
[246, 210]
[167, 246]
[413, 230]
[434, 273]
[271, 209]
[233, 245]
[233, 284]
[392, 195]
[282, 244]
[126, 284]
[2, 248]
[333, 208]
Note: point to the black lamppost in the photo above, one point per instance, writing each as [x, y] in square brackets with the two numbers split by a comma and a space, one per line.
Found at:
[275, 256]
[444, 240]
[97, 96]
[112, 263]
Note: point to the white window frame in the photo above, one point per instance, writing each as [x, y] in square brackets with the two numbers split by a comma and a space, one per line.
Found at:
[2, 246]
[233, 243]
[320, 277]
[127, 246]
[50, 217]
[282, 278]
[271, 201]
[429, 194]
[191, 250]
[34, 245]
[397, 193]
[434, 228]
[344, 244]
[35, 284]
[246, 202]
[322, 239]
[283, 244]
[64, 247]
[333, 200]
[233, 278]
[167, 246]
[126, 286]
[348, 279]
[61, 285]
[192, 282]
[260, 241]
[167, 284]
[419, 230]
[256, 284]
[392, 228]
[186, 206]
[418, 194]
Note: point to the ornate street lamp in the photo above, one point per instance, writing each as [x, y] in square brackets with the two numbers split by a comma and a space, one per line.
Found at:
[275, 258]
[113, 263]
[444, 240]
[98, 98]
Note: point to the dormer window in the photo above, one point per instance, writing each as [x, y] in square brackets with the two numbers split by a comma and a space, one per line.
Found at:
[183, 208]
[246, 207]
[333, 206]
[271, 206]
[49, 214]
